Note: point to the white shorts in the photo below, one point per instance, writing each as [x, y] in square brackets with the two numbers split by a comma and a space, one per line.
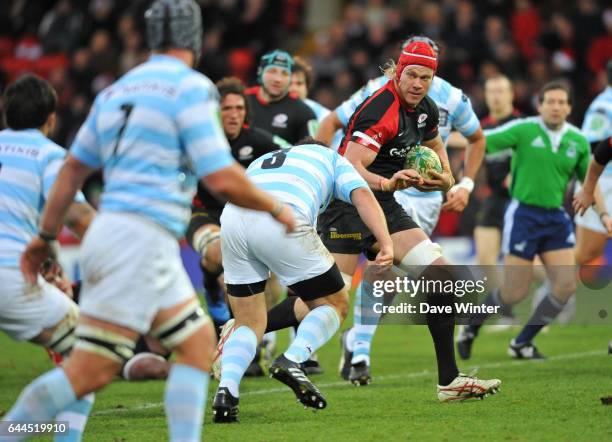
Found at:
[253, 244]
[423, 208]
[132, 268]
[590, 220]
[26, 310]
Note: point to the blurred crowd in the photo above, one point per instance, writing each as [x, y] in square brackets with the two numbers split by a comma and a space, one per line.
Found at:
[82, 46]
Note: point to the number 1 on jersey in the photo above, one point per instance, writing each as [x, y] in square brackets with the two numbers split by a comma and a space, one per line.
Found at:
[127, 110]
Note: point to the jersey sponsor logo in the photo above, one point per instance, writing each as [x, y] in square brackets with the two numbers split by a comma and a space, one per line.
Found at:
[245, 153]
[280, 120]
[333, 234]
[400, 152]
[538, 142]
[421, 120]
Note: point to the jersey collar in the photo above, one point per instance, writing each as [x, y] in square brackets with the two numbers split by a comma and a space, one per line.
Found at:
[556, 136]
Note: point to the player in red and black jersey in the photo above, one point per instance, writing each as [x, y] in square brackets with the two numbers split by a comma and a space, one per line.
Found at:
[381, 132]
[490, 217]
[247, 144]
[271, 106]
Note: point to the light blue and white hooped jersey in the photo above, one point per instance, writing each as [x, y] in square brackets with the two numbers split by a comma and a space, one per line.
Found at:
[29, 164]
[454, 107]
[154, 131]
[597, 123]
[306, 177]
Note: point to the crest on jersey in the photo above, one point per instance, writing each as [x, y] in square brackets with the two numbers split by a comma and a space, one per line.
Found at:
[280, 120]
[571, 150]
[422, 118]
[245, 153]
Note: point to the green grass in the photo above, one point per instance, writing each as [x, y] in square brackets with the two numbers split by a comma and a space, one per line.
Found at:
[557, 399]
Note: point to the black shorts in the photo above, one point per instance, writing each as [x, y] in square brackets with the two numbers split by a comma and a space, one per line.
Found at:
[325, 284]
[491, 212]
[342, 230]
[200, 216]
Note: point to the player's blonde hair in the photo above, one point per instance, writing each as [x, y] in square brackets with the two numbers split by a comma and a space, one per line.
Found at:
[389, 69]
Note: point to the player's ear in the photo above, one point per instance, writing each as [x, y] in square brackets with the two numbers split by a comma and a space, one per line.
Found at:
[49, 125]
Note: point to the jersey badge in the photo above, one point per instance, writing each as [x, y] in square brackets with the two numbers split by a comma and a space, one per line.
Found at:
[538, 142]
[245, 153]
[280, 120]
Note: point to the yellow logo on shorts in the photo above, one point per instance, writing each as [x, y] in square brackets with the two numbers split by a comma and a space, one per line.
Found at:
[336, 235]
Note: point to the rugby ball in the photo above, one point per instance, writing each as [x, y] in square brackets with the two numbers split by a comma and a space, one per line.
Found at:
[423, 160]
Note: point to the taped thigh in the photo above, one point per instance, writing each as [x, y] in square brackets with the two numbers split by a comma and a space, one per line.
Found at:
[181, 326]
[203, 238]
[105, 343]
[420, 257]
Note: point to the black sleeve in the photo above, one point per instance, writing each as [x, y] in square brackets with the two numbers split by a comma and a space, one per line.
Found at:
[603, 151]
[433, 119]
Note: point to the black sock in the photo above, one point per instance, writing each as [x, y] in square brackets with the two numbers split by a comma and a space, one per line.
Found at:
[441, 327]
[282, 315]
[211, 280]
[493, 299]
[546, 311]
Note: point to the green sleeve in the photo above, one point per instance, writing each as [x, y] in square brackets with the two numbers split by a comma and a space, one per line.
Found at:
[583, 163]
[503, 137]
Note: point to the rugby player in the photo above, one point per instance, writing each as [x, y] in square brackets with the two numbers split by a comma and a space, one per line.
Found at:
[143, 130]
[306, 177]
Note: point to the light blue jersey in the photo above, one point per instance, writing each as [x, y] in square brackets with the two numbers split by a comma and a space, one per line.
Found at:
[454, 107]
[154, 131]
[321, 112]
[306, 177]
[29, 164]
[597, 123]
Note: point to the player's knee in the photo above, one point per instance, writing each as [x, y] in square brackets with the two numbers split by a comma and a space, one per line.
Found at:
[341, 304]
[586, 254]
[212, 257]
[564, 289]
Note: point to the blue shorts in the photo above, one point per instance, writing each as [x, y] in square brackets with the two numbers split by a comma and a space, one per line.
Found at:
[531, 230]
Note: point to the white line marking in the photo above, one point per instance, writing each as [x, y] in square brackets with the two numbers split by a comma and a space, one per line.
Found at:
[417, 374]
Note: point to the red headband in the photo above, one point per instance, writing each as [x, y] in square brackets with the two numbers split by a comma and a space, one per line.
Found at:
[419, 53]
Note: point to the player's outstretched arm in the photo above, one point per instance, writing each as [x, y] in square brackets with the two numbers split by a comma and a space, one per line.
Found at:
[586, 196]
[69, 180]
[374, 218]
[233, 185]
[458, 197]
[328, 127]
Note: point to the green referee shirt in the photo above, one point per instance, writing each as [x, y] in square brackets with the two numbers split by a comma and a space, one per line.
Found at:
[543, 161]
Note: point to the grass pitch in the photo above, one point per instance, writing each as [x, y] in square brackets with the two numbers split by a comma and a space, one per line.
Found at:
[556, 399]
